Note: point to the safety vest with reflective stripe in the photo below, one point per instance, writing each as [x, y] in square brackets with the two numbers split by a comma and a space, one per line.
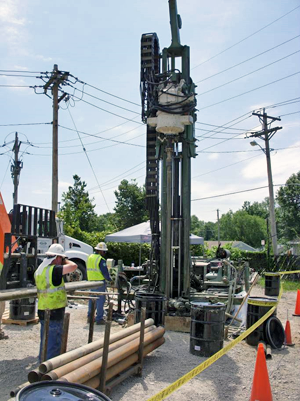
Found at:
[93, 270]
[49, 296]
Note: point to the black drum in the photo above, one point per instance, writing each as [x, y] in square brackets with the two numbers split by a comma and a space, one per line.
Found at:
[207, 328]
[154, 304]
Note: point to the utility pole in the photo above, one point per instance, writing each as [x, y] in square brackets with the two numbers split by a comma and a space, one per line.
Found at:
[218, 226]
[266, 134]
[15, 168]
[57, 78]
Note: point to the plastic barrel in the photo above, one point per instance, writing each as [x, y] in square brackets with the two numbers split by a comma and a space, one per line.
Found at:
[154, 304]
[57, 390]
[272, 284]
[257, 308]
[207, 328]
[22, 309]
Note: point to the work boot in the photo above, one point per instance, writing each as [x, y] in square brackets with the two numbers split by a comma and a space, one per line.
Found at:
[100, 322]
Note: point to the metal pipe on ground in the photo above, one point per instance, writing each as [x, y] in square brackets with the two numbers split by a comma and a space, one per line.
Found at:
[92, 369]
[125, 364]
[14, 392]
[34, 376]
[55, 374]
[60, 360]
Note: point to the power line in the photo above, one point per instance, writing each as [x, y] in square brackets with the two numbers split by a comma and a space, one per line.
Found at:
[106, 111]
[113, 179]
[251, 58]
[95, 97]
[28, 72]
[15, 125]
[288, 114]
[239, 192]
[107, 93]
[252, 90]
[222, 168]
[89, 162]
[246, 75]
[254, 33]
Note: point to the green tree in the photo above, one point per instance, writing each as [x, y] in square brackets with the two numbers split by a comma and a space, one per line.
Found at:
[130, 205]
[240, 226]
[260, 209]
[197, 226]
[78, 210]
[288, 198]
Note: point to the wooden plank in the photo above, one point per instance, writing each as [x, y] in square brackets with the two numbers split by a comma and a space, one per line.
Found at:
[178, 323]
[6, 320]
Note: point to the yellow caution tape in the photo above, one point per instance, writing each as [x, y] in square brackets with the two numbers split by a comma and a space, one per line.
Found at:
[194, 372]
[290, 272]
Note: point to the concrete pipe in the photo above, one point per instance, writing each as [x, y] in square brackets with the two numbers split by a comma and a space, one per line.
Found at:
[70, 356]
[55, 374]
[125, 364]
[93, 368]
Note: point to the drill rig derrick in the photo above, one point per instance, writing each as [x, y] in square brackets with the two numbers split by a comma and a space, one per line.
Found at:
[168, 108]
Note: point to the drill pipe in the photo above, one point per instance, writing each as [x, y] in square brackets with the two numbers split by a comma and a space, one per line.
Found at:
[125, 364]
[93, 368]
[77, 363]
[70, 356]
[34, 376]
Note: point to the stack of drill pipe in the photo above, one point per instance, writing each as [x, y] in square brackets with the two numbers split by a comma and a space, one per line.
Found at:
[56, 367]
[92, 369]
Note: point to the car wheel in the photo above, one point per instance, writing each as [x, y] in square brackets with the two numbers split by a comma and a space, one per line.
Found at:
[77, 275]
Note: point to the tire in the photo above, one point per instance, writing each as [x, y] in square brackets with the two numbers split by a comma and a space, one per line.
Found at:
[78, 275]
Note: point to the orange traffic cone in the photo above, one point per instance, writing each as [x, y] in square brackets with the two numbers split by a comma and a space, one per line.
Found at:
[297, 308]
[288, 335]
[261, 389]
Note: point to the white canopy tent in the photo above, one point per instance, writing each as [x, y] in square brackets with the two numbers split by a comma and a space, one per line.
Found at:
[141, 234]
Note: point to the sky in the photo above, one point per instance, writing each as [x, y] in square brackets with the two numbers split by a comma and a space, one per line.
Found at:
[245, 55]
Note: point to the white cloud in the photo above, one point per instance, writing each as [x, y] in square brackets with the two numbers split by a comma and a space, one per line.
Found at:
[284, 163]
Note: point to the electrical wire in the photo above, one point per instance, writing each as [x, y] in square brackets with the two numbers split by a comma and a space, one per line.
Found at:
[95, 97]
[251, 58]
[5, 174]
[229, 165]
[288, 114]
[252, 90]
[107, 93]
[113, 179]
[250, 73]
[15, 125]
[247, 37]
[239, 192]
[28, 72]
[95, 176]
[106, 111]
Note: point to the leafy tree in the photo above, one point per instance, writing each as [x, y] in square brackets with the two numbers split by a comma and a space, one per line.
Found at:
[106, 222]
[197, 226]
[240, 226]
[288, 198]
[260, 209]
[78, 210]
[130, 205]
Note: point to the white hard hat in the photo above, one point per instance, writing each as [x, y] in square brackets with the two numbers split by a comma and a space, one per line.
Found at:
[101, 247]
[56, 250]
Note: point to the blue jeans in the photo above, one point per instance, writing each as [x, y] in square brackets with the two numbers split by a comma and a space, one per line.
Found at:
[54, 338]
[99, 303]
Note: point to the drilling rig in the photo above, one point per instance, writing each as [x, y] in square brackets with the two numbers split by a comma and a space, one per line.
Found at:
[169, 110]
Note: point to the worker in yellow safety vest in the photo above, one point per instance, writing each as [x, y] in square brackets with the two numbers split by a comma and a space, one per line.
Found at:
[52, 295]
[97, 271]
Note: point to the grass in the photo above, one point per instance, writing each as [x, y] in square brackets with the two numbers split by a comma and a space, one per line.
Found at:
[288, 285]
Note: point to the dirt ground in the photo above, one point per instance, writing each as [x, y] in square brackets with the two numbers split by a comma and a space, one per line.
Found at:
[229, 378]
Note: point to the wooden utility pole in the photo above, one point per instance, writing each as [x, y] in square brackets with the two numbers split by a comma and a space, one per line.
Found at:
[218, 226]
[266, 134]
[16, 168]
[54, 82]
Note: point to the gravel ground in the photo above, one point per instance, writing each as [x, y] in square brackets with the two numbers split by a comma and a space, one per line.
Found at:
[229, 378]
